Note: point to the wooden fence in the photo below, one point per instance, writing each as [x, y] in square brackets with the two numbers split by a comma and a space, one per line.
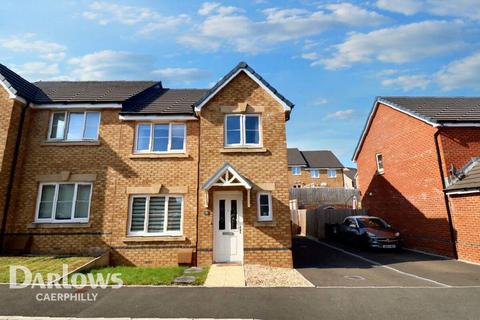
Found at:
[312, 222]
[325, 196]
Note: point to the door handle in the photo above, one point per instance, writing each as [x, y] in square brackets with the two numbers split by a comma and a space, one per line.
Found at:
[240, 229]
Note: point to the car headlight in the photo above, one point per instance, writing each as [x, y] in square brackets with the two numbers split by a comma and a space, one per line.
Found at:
[371, 235]
[397, 234]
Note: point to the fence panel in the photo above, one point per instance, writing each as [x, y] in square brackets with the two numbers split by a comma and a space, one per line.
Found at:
[324, 196]
[316, 219]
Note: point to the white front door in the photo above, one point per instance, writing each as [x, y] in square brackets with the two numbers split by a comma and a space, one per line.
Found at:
[228, 225]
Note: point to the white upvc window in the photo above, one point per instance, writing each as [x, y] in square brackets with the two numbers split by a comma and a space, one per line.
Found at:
[332, 173]
[242, 130]
[74, 126]
[264, 206]
[379, 160]
[156, 215]
[160, 138]
[315, 173]
[63, 202]
[296, 171]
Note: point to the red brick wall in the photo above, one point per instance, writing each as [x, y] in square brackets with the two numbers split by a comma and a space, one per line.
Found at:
[465, 210]
[459, 145]
[409, 194]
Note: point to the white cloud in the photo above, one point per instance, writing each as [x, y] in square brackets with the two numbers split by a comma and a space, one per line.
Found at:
[459, 8]
[310, 56]
[227, 26]
[111, 65]
[406, 7]
[181, 75]
[460, 73]
[320, 101]
[106, 13]
[28, 43]
[34, 71]
[340, 114]
[398, 45]
[408, 82]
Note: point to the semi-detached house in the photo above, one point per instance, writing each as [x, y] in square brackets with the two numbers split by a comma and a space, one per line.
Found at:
[145, 171]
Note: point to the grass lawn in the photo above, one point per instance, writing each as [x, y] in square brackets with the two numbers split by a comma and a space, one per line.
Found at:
[150, 276]
[41, 264]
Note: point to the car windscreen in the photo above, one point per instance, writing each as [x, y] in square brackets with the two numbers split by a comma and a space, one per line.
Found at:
[371, 223]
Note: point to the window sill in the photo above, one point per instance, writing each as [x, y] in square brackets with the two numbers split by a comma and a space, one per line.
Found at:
[243, 150]
[265, 224]
[155, 156]
[46, 225]
[154, 239]
[70, 143]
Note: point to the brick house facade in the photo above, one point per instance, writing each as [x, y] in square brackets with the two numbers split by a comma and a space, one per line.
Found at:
[147, 206]
[404, 160]
[320, 168]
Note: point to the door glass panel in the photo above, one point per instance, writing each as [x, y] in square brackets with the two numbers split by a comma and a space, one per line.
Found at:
[233, 215]
[221, 215]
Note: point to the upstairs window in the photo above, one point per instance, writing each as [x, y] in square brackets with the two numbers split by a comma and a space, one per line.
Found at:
[74, 126]
[296, 171]
[160, 138]
[264, 201]
[315, 173]
[379, 159]
[242, 130]
[332, 173]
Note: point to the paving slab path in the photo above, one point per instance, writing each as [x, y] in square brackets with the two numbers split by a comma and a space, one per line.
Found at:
[225, 275]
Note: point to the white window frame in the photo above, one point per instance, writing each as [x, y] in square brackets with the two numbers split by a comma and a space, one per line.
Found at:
[55, 198]
[377, 156]
[150, 144]
[242, 143]
[299, 171]
[145, 233]
[315, 176]
[270, 209]
[67, 123]
[332, 176]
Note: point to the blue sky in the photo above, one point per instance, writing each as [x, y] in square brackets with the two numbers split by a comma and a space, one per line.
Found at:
[331, 58]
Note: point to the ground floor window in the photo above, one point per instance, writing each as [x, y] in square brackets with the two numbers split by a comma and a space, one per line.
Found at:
[156, 215]
[264, 201]
[64, 202]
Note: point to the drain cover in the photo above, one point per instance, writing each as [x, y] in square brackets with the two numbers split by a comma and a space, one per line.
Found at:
[354, 277]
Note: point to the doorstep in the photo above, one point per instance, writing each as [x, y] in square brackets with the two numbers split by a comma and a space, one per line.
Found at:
[225, 275]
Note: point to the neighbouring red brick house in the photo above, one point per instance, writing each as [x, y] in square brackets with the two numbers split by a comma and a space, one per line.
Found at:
[408, 156]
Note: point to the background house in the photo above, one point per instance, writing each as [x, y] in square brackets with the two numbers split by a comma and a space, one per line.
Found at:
[320, 168]
[408, 156]
[350, 178]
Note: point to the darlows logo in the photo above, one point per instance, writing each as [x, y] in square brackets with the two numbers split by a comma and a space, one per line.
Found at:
[68, 281]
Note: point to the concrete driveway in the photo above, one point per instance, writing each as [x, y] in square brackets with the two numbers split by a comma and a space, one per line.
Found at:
[328, 264]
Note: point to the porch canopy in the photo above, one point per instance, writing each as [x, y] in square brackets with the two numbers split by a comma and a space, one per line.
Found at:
[227, 176]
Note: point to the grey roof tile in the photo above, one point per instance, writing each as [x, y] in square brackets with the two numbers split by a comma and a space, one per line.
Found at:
[89, 91]
[164, 101]
[17, 84]
[439, 109]
[295, 158]
[470, 179]
[321, 159]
